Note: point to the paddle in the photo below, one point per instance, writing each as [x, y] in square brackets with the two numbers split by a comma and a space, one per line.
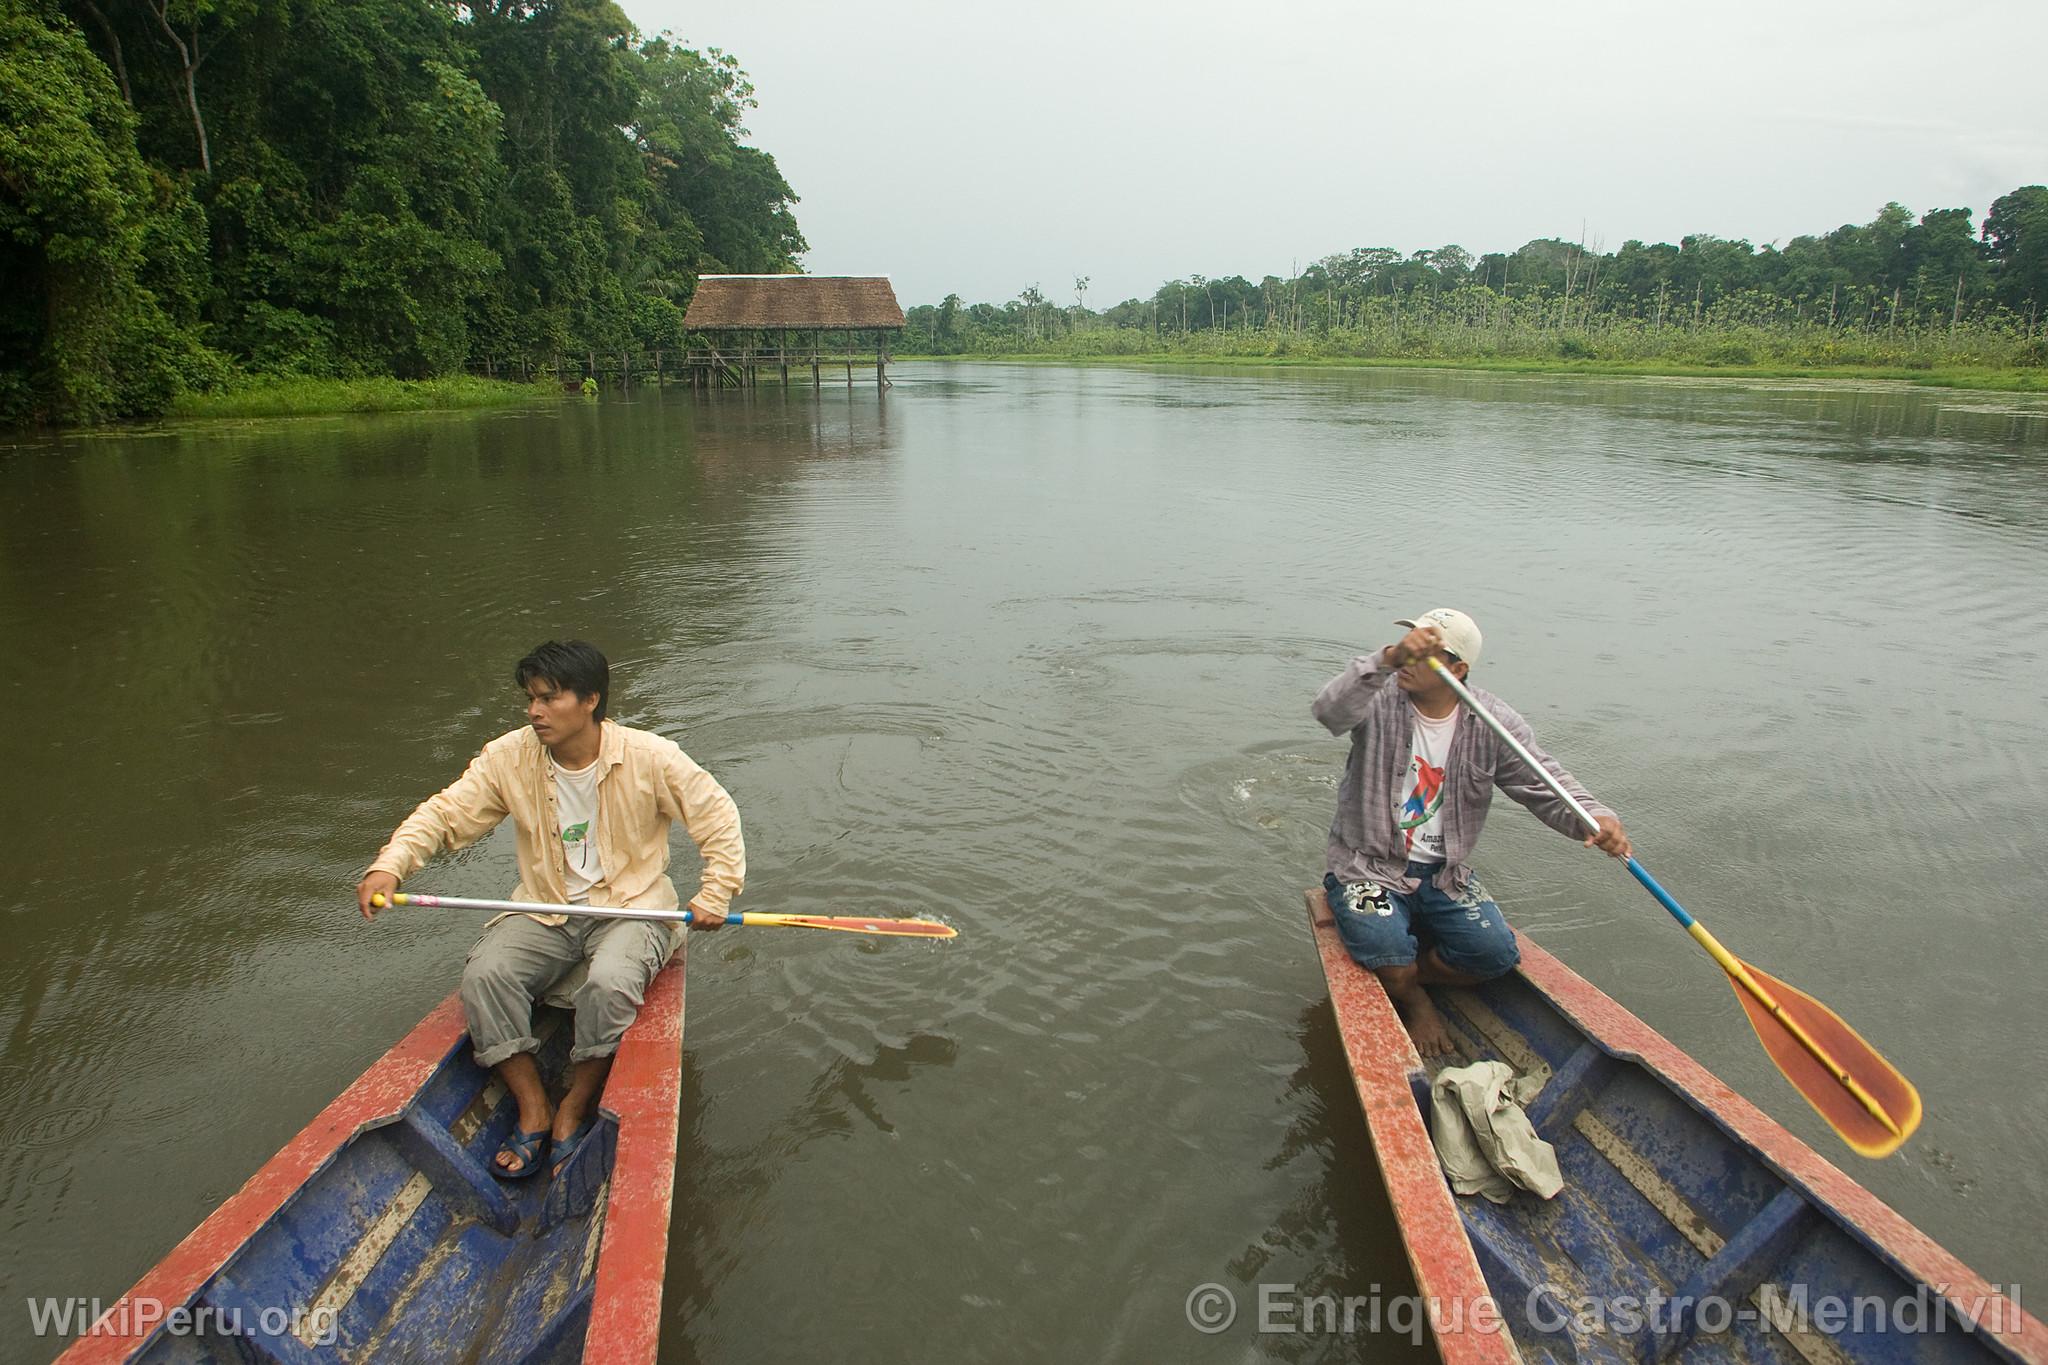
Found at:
[1860, 1094]
[891, 928]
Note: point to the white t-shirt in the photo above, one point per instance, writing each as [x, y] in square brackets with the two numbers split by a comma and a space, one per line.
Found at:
[576, 815]
[1419, 796]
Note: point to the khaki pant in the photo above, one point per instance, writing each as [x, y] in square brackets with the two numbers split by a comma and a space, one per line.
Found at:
[518, 958]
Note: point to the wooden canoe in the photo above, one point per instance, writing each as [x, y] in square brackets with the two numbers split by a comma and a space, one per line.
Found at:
[1676, 1189]
[378, 1233]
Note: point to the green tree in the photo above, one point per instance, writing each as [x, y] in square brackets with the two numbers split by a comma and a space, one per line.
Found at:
[191, 30]
[398, 268]
[81, 337]
[733, 206]
[1874, 254]
[2016, 240]
[1946, 263]
[381, 186]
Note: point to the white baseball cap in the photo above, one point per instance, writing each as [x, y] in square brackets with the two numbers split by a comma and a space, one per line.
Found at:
[1459, 631]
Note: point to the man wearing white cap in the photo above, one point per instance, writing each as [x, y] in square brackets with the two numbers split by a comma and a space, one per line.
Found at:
[1415, 793]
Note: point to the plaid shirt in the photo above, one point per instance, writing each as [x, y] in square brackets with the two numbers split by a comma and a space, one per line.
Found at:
[1365, 843]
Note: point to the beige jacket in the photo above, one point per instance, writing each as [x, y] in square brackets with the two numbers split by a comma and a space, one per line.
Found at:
[645, 784]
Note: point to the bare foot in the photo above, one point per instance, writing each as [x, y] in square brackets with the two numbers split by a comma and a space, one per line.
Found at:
[1426, 1026]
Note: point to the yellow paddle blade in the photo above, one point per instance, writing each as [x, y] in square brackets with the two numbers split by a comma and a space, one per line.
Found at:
[892, 928]
[1833, 1093]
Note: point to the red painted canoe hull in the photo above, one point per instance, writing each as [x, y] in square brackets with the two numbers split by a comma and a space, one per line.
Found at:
[643, 1094]
[1587, 1031]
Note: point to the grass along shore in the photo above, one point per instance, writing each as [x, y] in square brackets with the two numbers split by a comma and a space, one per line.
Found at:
[1997, 352]
[1996, 379]
[299, 397]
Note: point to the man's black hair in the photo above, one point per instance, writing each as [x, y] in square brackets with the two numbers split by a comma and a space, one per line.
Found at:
[576, 667]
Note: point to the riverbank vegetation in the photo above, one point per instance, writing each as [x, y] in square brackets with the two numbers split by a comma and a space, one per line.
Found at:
[197, 192]
[296, 396]
[1894, 296]
[1946, 377]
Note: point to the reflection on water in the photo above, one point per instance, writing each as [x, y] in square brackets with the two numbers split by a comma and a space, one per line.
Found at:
[1028, 649]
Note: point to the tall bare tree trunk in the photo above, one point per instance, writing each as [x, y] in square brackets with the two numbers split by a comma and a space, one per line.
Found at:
[198, 123]
[1564, 310]
[114, 47]
[189, 59]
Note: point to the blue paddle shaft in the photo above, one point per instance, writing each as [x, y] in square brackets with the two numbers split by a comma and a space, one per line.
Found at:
[1636, 869]
[1664, 898]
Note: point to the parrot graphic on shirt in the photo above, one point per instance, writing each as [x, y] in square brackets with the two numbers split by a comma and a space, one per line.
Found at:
[1424, 800]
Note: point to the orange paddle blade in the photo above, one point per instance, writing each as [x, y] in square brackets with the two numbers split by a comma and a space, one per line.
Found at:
[893, 928]
[1824, 1089]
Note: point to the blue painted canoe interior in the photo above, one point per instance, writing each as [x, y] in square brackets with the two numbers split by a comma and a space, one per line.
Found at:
[404, 1247]
[1659, 1201]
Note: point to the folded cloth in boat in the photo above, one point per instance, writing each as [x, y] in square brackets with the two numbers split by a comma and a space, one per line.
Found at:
[1486, 1143]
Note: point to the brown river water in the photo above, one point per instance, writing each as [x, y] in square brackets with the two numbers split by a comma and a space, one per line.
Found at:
[1030, 650]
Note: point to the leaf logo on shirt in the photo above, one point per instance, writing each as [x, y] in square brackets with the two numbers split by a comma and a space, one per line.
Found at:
[576, 833]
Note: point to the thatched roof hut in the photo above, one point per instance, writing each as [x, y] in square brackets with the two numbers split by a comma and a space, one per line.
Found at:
[784, 303]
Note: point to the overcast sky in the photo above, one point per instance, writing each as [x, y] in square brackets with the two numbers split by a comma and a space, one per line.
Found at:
[977, 148]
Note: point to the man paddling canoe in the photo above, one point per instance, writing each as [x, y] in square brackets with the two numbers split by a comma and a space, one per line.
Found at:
[593, 802]
[1409, 809]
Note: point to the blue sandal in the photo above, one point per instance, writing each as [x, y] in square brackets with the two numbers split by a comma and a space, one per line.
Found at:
[526, 1149]
[565, 1148]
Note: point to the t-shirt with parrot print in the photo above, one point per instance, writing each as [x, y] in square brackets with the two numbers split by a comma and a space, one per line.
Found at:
[1419, 796]
[576, 820]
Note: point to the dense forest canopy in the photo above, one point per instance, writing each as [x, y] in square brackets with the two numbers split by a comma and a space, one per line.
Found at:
[1930, 278]
[193, 191]
[195, 188]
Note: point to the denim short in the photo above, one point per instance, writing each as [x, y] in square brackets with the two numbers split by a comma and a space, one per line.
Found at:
[1467, 931]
